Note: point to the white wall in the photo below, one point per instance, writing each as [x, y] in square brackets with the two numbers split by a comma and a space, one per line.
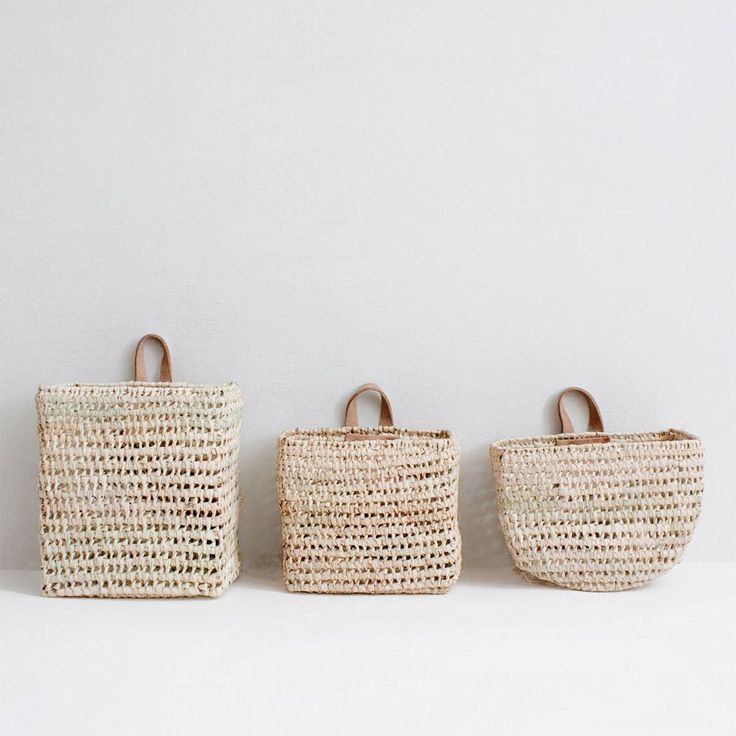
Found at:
[471, 203]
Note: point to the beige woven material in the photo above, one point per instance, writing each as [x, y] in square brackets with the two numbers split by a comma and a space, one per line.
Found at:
[139, 489]
[369, 510]
[599, 512]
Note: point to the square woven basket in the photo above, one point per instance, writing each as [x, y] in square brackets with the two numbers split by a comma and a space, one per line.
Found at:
[138, 486]
[598, 511]
[369, 509]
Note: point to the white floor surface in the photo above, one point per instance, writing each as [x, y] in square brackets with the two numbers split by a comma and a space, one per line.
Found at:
[494, 656]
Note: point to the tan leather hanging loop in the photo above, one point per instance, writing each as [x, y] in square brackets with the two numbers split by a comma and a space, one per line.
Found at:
[351, 410]
[140, 366]
[595, 422]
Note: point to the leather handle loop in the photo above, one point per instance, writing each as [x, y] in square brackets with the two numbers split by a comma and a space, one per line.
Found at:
[351, 410]
[595, 422]
[140, 366]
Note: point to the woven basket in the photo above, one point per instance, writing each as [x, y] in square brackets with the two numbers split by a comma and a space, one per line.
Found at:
[369, 509]
[596, 511]
[138, 485]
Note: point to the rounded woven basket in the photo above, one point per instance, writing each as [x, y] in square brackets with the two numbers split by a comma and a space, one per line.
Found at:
[138, 486]
[369, 509]
[597, 511]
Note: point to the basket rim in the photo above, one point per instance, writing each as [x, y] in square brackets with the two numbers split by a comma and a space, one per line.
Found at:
[168, 385]
[337, 434]
[663, 436]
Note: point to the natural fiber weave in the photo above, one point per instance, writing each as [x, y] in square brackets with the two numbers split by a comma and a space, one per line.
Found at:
[139, 489]
[373, 514]
[602, 515]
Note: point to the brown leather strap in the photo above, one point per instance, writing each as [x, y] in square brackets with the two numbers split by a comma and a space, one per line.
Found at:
[140, 366]
[351, 410]
[595, 423]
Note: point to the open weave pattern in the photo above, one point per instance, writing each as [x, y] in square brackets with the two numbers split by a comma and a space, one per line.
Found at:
[369, 516]
[139, 489]
[603, 516]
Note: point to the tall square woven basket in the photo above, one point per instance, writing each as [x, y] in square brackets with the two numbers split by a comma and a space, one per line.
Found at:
[598, 511]
[369, 509]
[138, 486]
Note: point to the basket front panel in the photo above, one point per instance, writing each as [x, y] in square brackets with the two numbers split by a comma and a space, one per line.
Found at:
[369, 517]
[139, 489]
[599, 517]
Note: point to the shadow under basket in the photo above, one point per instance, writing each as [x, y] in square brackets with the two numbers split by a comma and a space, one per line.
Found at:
[597, 511]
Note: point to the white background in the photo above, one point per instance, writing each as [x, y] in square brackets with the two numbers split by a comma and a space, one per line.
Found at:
[473, 204]
[494, 656]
